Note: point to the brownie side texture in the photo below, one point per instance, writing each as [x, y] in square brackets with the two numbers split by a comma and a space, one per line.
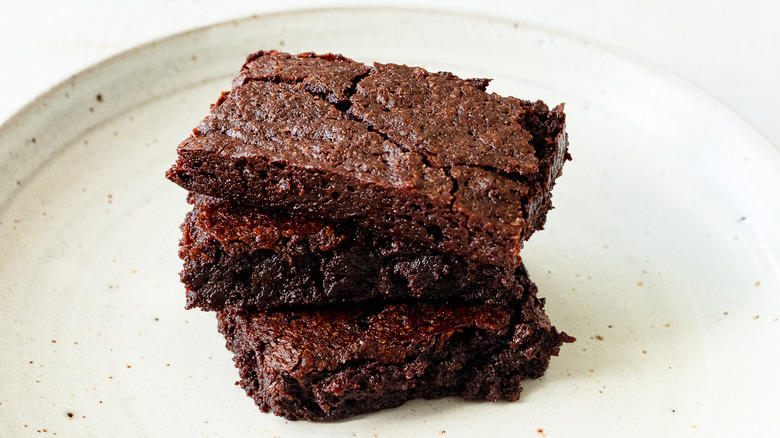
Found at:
[427, 157]
[237, 256]
[332, 364]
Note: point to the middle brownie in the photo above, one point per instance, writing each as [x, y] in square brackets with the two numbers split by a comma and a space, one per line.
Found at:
[239, 257]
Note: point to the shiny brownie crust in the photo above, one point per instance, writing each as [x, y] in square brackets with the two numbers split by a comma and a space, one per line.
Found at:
[427, 157]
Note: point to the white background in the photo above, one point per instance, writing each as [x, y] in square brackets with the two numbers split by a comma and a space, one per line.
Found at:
[727, 48]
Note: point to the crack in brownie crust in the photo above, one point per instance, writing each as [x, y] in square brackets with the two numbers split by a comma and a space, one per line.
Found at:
[327, 365]
[427, 157]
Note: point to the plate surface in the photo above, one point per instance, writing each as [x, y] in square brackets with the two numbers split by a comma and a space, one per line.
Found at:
[661, 256]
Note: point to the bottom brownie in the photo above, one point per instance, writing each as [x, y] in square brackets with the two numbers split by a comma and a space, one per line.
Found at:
[329, 364]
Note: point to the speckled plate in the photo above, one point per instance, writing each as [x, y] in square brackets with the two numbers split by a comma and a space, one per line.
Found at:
[661, 256]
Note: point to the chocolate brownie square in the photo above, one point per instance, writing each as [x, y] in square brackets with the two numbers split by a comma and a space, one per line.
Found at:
[426, 157]
[238, 256]
[329, 364]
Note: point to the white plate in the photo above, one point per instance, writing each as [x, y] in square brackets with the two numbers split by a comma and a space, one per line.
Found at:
[661, 256]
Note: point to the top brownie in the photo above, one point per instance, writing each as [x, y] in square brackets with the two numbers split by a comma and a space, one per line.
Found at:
[427, 157]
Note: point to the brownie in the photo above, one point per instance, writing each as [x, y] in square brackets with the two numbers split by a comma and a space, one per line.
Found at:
[426, 157]
[238, 256]
[328, 364]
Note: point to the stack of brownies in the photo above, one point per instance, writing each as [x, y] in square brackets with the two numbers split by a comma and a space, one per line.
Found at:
[357, 230]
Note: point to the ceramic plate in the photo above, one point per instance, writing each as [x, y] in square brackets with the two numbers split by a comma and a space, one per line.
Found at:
[661, 255]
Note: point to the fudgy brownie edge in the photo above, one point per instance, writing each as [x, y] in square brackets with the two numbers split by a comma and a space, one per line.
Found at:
[240, 257]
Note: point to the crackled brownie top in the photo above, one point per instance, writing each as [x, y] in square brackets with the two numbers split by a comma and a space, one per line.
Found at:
[427, 156]
[448, 121]
[330, 76]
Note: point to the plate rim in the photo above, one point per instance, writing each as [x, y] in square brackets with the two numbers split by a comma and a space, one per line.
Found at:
[658, 69]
